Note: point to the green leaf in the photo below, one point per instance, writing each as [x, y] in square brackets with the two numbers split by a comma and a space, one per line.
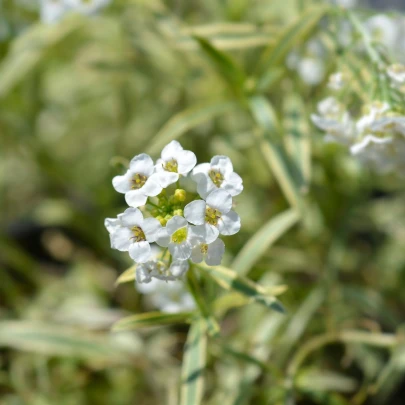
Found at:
[295, 34]
[186, 120]
[149, 319]
[269, 141]
[58, 340]
[194, 362]
[257, 245]
[225, 65]
[127, 276]
[228, 279]
[30, 49]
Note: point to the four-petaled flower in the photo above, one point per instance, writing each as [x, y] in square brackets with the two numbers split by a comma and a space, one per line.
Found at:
[211, 253]
[158, 269]
[180, 237]
[215, 214]
[175, 161]
[131, 232]
[139, 182]
[218, 174]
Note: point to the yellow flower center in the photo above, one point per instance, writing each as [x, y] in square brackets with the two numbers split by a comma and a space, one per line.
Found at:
[216, 177]
[212, 216]
[138, 181]
[139, 236]
[180, 235]
[171, 166]
[204, 248]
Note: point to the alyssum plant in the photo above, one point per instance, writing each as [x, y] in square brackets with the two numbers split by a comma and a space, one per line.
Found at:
[185, 224]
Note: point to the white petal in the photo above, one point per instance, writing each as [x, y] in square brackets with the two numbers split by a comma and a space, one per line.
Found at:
[186, 160]
[196, 254]
[223, 164]
[112, 224]
[170, 150]
[179, 267]
[175, 223]
[201, 169]
[142, 275]
[152, 188]
[135, 198]
[180, 251]
[143, 164]
[215, 252]
[165, 178]
[205, 186]
[150, 228]
[233, 184]
[131, 217]
[162, 237]
[360, 146]
[198, 234]
[121, 239]
[229, 224]
[220, 200]
[123, 183]
[211, 233]
[194, 212]
[140, 251]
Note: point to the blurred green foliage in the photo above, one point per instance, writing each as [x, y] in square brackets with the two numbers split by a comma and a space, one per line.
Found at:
[81, 97]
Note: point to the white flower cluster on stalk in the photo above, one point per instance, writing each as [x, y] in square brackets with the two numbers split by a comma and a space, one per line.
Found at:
[53, 11]
[376, 136]
[186, 224]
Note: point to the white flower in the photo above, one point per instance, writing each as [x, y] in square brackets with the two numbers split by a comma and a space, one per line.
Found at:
[139, 182]
[180, 237]
[52, 10]
[131, 232]
[311, 70]
[86, 7]
[211, 253]
[168, 297]
[389, 124]
[218, 174]
[374, 112]
[175, 161]
[383, 29]
[375, 152]
[396, 73]
[336, 81]
[215, 214]
[335, 121]
[158, 269]
[345, 3]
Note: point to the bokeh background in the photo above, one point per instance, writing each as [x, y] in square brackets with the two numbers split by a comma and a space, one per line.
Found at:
[78, 99]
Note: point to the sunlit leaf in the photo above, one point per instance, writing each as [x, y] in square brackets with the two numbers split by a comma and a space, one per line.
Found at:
[148, 319]
[186, 120]
[257, 245]
[194, 362]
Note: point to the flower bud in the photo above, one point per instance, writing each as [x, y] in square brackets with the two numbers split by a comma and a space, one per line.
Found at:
[167, 217]
[178, 212]
[180, 195]
[161, 220]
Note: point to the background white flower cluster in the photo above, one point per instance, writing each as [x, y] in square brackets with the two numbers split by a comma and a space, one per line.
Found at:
[187, 224]
[54, 10]
[375, 135]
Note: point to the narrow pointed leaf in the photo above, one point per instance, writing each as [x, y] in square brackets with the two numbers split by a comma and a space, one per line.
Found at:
[257, 245]
[149, 319]
[194, 362]
[186, 120]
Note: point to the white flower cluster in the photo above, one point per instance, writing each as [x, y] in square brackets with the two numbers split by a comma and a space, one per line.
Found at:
[53, 11]
[167, 297]
[376, 137]
[187, 224]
